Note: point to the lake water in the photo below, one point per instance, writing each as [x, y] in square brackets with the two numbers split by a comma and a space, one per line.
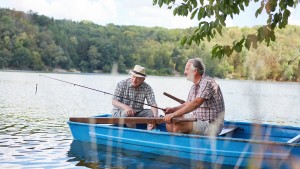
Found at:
[34, 112]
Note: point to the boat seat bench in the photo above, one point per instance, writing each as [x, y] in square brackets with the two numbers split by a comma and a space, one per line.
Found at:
[227, 130]
[295, 139]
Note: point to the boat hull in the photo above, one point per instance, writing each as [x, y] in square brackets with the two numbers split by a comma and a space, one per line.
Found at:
[222, 150]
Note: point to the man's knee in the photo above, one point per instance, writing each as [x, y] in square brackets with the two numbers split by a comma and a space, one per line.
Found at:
[145, 113]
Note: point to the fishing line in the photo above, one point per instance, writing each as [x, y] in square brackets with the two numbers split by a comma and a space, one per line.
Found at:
[101, 91]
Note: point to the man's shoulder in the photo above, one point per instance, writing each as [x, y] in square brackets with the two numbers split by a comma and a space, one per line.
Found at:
[208, 78]
[124, 81]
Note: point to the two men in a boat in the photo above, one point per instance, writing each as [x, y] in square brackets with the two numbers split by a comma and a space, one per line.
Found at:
[205, 103]
[130, 95]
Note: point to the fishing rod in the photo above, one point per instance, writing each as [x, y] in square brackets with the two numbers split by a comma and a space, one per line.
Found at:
[101, 91]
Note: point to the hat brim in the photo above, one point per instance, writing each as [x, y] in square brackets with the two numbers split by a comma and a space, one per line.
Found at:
[137, 74]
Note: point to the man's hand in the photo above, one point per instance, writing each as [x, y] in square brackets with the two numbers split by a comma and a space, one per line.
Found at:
[168, 118]
[129, 112]
[169, 110]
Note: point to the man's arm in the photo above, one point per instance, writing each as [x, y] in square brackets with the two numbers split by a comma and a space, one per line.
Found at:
[173, 109]
[188, 107]
[129, 111]
[154, 110]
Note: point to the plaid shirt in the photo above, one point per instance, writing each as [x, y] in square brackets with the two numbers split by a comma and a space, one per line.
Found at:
[125, 90]
[211, 92]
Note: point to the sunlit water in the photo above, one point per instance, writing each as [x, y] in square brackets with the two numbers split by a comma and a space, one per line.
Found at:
[34, 111]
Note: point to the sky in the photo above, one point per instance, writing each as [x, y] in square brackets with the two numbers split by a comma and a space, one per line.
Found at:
[129, 12]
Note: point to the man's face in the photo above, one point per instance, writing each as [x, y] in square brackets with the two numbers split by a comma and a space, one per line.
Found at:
[189, 72]
[136, 81]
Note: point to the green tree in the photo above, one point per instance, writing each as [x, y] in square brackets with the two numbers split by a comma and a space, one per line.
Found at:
[94, 57]
[121, 65]
[37, 63]
[5, 58]
[21, 58]
[218, 10]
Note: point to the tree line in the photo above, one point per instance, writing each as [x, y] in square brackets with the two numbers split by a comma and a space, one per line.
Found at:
[29, 41]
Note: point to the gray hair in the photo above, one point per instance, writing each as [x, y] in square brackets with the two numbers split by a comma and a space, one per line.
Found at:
[197, 64]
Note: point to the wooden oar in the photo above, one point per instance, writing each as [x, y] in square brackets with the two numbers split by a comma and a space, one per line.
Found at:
[124, 120]
[174, 98]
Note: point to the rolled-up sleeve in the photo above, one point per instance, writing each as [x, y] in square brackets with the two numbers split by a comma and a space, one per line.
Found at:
[150, 96]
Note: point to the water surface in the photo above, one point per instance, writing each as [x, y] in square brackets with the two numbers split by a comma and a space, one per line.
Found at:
[34, 111]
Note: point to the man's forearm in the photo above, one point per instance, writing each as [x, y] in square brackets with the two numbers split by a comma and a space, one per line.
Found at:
[119, 105]
[189, 107]
[154, 110]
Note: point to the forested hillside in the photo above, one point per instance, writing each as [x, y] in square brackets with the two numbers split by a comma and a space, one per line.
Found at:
[29, 41]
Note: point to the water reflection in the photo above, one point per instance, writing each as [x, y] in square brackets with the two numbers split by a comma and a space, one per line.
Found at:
[98, 156]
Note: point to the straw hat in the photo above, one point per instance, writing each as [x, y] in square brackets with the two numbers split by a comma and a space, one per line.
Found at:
[138, 71]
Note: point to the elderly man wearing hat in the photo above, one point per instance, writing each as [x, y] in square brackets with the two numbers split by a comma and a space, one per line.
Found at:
[131, 93]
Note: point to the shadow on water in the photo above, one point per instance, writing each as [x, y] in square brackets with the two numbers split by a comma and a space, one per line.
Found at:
[91, 155]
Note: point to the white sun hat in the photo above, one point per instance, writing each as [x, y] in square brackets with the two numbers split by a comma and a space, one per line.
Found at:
[138, 71]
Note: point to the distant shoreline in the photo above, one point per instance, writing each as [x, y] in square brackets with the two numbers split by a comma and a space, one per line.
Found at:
[101, 73]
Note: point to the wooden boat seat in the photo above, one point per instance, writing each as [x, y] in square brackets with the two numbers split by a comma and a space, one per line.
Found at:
[227, 130]
[295, 139]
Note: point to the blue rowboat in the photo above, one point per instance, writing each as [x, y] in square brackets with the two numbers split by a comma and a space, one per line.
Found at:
[240, 144]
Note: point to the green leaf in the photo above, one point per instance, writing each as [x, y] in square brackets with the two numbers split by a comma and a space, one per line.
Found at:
[190, 7]
[219, 29]
[251, 39]
[194, 2]
[160, 3]
[215, 48]
[217, 52]
[183, 40]
[248, 43]
[272, 35]
[222, 20]
[237, 48]
[194, 13]
[246, 2]
[175, 11]
[273, 5]
[200, 14]
[282, 4]
[259, 10]
[227, 50]
[236, 10]
[277, 17]
[260, 34]
[273, 25]
[201, 2]
[290, 3]
[286, 14]
[241, 6]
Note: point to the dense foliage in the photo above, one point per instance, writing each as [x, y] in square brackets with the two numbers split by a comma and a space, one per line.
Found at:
[29, 41]
[212, 15]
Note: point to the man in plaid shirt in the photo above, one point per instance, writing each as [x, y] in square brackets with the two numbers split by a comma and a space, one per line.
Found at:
[205, 103]
[130, 94]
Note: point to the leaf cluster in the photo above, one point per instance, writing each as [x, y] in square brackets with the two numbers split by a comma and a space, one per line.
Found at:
[212, 15]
